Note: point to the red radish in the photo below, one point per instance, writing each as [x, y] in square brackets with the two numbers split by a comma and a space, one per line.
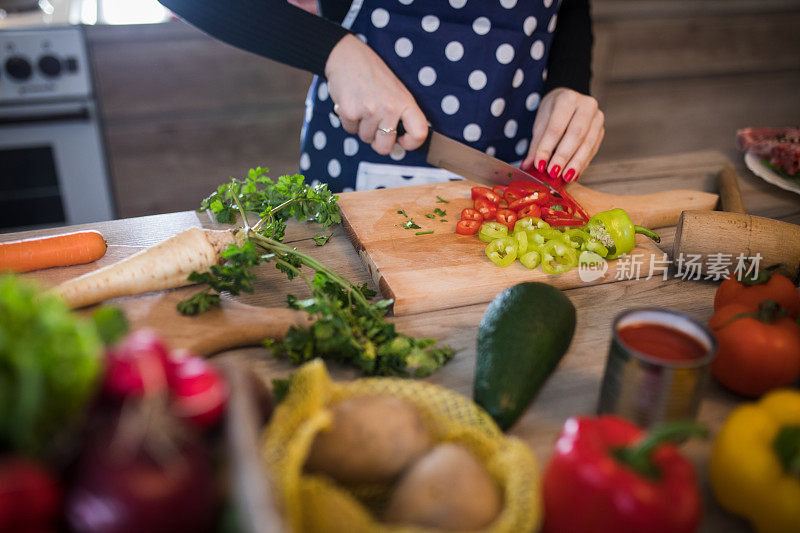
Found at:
[30, 497]
[141, 472]
[137, 366]
[199, 392]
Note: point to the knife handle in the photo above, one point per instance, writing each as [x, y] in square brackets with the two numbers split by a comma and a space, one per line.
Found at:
[423, 148]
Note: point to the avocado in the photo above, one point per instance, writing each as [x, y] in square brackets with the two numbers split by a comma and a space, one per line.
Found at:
[523, 334]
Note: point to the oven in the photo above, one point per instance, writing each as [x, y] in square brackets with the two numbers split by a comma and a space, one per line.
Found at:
[52, 164]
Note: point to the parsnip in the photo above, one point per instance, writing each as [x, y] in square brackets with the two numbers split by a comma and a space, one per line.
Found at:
[166, 265]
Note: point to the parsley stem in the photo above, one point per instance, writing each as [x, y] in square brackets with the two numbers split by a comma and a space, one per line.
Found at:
[269, 215]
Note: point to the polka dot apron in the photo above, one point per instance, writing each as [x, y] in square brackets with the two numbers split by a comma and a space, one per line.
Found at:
[475, 67]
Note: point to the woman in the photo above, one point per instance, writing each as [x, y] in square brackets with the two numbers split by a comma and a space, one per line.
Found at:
[509, 77]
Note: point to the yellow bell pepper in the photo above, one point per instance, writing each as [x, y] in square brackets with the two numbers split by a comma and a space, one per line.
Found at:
[755, 463]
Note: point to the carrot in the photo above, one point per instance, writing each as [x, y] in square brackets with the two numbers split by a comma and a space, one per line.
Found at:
[58, 250]
[166, 265]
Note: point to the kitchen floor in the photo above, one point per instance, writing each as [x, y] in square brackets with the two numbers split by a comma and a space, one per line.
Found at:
[183, 113]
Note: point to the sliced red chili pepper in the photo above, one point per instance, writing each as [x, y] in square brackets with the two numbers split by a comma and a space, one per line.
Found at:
[485, 207]
[513, 194]
[468, 227]
[554, 221]
[578, 209]
[528, 186]
[485, 192]
[538, 198]
[499, 189]
[531, 210]
[471, 214]
[502, 205]
[548, 212]
[507, 217]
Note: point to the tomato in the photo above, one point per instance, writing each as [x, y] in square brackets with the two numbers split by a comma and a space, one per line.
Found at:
[471, 214]
[485, 192]
[528, 186]
[531, 210]
[485, 207]
[499, 189]
[507, 217]
[468, 226]
[757, 349]
[777, 288]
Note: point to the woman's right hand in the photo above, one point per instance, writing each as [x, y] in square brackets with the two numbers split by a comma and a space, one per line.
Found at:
[369, 97]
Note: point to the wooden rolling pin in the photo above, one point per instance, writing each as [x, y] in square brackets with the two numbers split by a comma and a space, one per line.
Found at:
[713, 232]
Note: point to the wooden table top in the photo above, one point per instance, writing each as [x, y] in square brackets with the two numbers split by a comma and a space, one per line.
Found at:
[574, 387]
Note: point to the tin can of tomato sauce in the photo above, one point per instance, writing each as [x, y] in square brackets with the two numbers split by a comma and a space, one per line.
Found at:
[657, 368]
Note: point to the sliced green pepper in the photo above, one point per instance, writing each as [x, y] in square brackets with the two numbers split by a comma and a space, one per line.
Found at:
[531, 259]
[530, 223]
[558, 257]
[522, 241]
[492, 230]
[540, 236]
[594, 246]
[503, 251]
[576, 237]
[616, 232]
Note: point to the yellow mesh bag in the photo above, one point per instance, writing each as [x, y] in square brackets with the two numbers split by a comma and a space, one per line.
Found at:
[316, 504]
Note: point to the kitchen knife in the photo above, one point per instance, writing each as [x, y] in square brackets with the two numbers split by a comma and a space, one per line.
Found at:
[449, 154]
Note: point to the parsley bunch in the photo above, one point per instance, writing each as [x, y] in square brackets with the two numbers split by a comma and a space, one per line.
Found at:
[274, 202]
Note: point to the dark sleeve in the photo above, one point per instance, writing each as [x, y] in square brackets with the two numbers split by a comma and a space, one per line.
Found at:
[271, 28]
[570, 61]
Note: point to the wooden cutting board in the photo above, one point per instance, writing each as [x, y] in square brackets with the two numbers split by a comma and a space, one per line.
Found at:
[231, 325]
[444, 270]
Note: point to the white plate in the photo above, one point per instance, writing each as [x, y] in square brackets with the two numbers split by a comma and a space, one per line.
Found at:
[761, 170]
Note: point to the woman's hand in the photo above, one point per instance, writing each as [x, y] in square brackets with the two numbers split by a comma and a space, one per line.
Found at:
[369, 97]
[567, 133]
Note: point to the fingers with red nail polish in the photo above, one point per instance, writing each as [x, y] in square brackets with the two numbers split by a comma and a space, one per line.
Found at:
[569, 175]
[555, 171]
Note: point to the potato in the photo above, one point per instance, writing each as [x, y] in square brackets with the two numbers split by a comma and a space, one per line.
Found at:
[371, 440]
[449, 489]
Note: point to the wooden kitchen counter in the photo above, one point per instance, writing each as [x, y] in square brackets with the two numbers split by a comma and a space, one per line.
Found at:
[574, 387]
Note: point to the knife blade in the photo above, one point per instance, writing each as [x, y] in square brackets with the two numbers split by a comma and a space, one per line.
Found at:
[443, 152]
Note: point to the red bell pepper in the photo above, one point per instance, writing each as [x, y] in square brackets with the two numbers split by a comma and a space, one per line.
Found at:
[607, 476]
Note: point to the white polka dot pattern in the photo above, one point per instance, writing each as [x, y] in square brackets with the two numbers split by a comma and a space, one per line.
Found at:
[458, 4]
[450, 104]
[334, 168]
[491, 151]
[521, 147]
[322, 91]
[532, 101]
[472, 132]
[519, 77]
[427, 76]
[430, 23]
[481, 26]
[508, 4]
[537, 50]
[505, 53]
[305, 161]
[350, 146]
[397, 153]
[380, 17]
[335, 122]
[319, 140]
[477, 79]
[454, 51]
[497, 107]
[403, 47]
[552, 26]
[510, 130]
[529, 26]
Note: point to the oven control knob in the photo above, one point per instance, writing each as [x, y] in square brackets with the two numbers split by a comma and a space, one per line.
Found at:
[50, 66]
[18, 68]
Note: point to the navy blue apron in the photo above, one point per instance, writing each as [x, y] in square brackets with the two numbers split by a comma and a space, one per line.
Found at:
[475, 67]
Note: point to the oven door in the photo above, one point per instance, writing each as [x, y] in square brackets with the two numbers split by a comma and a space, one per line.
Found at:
[52, 167]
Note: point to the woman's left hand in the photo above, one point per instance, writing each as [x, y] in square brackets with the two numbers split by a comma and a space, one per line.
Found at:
[567, 133]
